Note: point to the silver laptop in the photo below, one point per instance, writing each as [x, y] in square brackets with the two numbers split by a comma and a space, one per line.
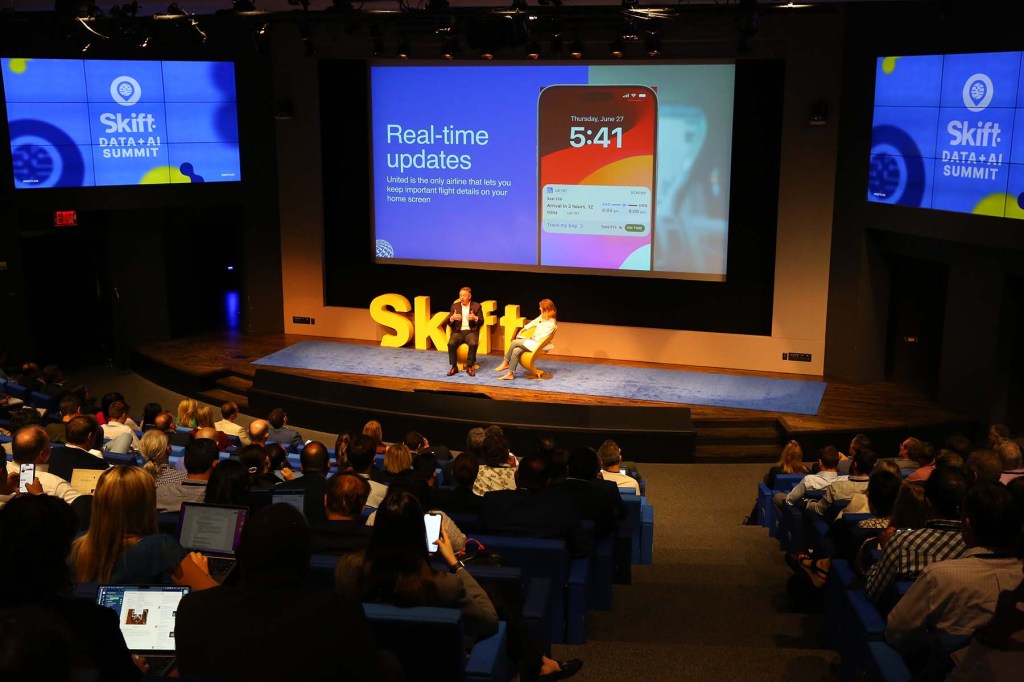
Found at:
[296, 498]
[214, 530]
[146, 616]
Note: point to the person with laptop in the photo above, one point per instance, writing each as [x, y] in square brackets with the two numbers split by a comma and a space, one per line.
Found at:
[35, 535]
[201, 456]
[78, 452]
[227, 633]
[123, 544]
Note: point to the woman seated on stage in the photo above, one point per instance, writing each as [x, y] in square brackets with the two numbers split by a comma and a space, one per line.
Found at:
[124, 545]
[542, 327]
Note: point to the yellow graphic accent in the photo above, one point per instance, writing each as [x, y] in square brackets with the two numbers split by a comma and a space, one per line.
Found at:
[999, 204]
[889, 65]
[161, 175]
[19, 65]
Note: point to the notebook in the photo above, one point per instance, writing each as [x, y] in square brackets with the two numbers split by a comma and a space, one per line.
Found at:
[84, 480]
[146, 615]
[296, 498]
[215, 531]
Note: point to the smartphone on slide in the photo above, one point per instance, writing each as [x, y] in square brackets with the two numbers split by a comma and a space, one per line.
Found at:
[596, 165]
[433, 524]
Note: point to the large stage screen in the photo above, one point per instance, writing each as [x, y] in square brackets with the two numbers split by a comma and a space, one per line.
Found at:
[948, 133]
[83, 123]
[590, 169]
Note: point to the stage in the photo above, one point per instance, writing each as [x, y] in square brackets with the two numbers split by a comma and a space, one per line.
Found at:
[220, 367]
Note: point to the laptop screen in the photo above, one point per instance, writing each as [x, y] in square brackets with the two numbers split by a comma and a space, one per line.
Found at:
[296, 498]
[84, 480]
[210, 527]
[146, 613]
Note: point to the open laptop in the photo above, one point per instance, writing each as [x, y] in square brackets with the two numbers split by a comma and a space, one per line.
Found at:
[146, 615]
[84, 480]
[296, 498]
[214, 530]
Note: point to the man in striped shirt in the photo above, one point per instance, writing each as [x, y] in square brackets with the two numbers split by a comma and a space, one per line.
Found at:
[908, 552]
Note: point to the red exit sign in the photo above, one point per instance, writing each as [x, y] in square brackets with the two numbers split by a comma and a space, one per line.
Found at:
[65, 218]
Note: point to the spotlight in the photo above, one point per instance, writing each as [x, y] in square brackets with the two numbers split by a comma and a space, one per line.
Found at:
[403, 50]
[617, 48]
[533, 50]
[487, 54]
[449, 48]
[576, 49]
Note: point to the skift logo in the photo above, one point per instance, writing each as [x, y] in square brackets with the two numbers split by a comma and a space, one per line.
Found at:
[126, 91]
[978, 92]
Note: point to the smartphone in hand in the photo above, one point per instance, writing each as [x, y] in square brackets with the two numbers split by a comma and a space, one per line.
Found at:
[433, 524]
[28, 474]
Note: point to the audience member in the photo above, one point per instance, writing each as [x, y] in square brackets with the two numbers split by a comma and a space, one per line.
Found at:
[254, 459]
[186, 418]
[70, 407]
[953, 598]
[984, 466]
[1009, 454]
[418, 489]
[165, 422]
[279, 431]
[343, 530]
[909, 512]
[859, 442]
[959, 444]
[341, 452]
[228, 484]
[531, 510]
[588, 494]
[54, 382]
[461, 498]
[204, 421]
[906, 555]
[228, 423]
[155, 449]
[828, 461]
[201, 456]
[315, 462]
[948, 458]
[791, 461]
[905, 461]
[258, 430]
[845, 488]
[611, 458]
[117, 425]
[35, 538]
[373, 429]
[924, 454]
[397, 462]
[230, 633]
[497, 467]
[859, 503]
[996, 433]
[31, 446]
[149, 413]
[123, 544]
[475, 441]
[78, 451]
[360, 455]
[279, 464]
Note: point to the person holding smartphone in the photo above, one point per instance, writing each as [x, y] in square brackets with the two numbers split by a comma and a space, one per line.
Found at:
[464, 320]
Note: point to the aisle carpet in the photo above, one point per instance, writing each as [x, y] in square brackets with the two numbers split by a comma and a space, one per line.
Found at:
[580, 378]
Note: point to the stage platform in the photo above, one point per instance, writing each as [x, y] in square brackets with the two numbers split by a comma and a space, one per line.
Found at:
[219, 367]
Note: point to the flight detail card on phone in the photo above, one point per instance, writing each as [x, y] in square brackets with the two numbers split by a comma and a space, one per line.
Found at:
[592, 209]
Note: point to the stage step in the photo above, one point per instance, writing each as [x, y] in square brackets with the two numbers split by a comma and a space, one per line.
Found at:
[218, 396]
[235, 384]
[737, 440]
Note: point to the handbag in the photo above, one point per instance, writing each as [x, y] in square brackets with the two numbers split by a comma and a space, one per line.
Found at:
[480, 555]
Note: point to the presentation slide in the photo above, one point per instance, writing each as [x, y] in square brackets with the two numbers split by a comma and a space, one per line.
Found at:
[946, 135]
[84, 123]
[618, 169]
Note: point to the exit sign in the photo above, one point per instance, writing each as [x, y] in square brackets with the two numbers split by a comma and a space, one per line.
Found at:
[65, 218]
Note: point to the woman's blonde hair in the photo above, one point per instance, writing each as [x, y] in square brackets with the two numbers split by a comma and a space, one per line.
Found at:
[397, 458]
[204, 416]
[153, 446]
[187, 413]
[374, 431]
[123, 512]
[792, 459]
[548, 306]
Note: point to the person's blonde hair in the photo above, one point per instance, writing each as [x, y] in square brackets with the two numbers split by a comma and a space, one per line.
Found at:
[187, 412]
[123, 512]
[791, 459]
[153, 446]
[374, 431]
[547, 305]
[397, 458]
[204, 416]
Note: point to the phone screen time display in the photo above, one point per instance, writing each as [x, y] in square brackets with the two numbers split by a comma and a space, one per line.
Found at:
[596, 147]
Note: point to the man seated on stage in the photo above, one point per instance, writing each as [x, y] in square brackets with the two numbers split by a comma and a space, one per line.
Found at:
[464, 320]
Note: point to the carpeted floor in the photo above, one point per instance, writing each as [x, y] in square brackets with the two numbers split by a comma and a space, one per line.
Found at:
[579, 378]
[711, 607]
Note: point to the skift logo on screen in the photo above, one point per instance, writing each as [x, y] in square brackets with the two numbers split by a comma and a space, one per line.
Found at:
[128, 137]
[972, 142]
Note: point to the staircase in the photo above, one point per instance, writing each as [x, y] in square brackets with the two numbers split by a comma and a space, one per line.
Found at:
[737, 440]
[233, 387]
